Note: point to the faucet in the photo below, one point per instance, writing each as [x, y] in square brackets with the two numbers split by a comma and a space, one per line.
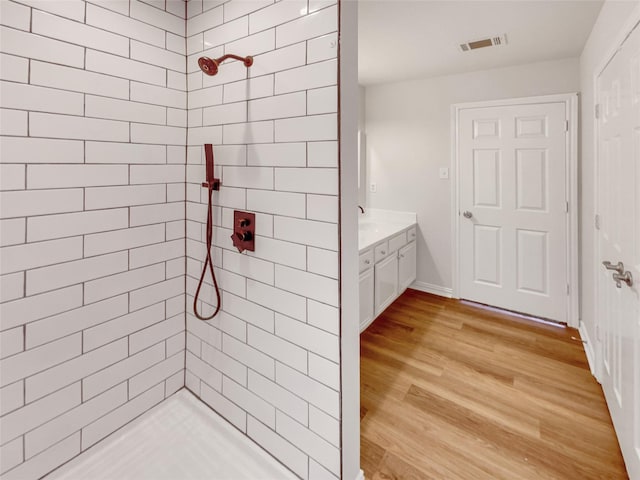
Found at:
[361, 209]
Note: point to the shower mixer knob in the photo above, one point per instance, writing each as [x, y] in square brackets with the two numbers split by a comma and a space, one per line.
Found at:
[243, 237]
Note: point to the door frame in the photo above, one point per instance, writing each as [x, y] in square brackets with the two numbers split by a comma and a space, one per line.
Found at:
[595, 353]
[571, 145]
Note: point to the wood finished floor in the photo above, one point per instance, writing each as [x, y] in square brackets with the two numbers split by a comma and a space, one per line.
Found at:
[450, 391]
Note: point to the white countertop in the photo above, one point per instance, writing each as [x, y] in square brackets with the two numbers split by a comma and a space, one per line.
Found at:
[376, 225]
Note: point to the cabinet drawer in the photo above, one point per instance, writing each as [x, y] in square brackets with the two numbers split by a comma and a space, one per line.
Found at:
[381, 251]
[398, 241]
[411, 234]
[366, 260]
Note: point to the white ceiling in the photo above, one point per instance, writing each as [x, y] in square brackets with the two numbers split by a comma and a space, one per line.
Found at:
[401, 39]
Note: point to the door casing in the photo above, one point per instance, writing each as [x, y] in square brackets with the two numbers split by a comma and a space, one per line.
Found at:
[571, 164]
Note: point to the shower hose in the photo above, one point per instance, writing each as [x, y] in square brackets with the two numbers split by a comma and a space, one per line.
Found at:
[208, 262]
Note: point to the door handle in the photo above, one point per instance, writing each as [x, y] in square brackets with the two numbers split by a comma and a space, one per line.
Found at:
[619, 267]
[625, 277]
[467, 214]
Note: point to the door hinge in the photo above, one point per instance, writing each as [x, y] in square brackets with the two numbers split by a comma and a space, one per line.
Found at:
[566, 125]
[598, 332]
[568, 289]
[597, 110]
[566, 207]
[597, 222]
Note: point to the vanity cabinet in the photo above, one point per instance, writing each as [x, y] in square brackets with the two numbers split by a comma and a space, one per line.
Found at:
[387, 268]
[386, 283]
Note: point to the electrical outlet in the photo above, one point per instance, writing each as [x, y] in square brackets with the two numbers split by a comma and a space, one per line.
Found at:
[373, 188]
[444, 173]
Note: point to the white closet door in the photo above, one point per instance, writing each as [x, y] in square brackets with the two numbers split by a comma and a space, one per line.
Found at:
[512, 197]
[619, 241]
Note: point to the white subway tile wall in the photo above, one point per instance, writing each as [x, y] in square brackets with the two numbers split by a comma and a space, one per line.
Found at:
[92, 218]
[103, 113]
[270, 362]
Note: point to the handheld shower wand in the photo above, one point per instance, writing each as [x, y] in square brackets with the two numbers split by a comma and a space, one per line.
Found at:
[211, 184]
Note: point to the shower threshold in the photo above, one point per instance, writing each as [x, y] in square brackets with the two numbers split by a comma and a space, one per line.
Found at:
[179, 439]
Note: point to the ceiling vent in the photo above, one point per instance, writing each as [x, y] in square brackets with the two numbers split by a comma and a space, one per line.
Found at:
[485, 42]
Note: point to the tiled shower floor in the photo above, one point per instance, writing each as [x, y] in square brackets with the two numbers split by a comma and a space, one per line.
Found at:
[179, 439]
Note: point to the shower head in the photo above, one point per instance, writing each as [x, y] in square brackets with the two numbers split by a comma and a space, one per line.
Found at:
[210, 65]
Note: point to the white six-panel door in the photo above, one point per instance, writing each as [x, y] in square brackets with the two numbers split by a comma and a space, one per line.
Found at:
[619, 241]
[512, 185]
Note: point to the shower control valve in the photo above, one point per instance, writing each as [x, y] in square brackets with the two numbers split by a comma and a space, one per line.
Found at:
[243, 237]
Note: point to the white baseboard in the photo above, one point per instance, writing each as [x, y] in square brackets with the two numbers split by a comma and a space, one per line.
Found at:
[360, 475]
[588, 349]
[433, 289]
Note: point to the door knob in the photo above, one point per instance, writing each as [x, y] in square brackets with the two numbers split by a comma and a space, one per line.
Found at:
[625, 277]
[467, 214]
[619, 267]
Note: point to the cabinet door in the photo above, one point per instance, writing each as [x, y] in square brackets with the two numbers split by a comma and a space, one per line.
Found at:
[366, 299]
[406, 266]
[386, 283]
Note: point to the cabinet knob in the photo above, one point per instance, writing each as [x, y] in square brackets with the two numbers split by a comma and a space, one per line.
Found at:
[383, 252]
[367, 262]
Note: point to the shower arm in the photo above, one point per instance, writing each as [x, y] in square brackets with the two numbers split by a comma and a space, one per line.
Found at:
[248, 61]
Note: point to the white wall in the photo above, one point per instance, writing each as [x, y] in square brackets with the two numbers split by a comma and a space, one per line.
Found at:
[605, 34]
[92, 222]
[408, 126]
[350, 106]
[362, 110]
[362, 155]
[270, 361]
